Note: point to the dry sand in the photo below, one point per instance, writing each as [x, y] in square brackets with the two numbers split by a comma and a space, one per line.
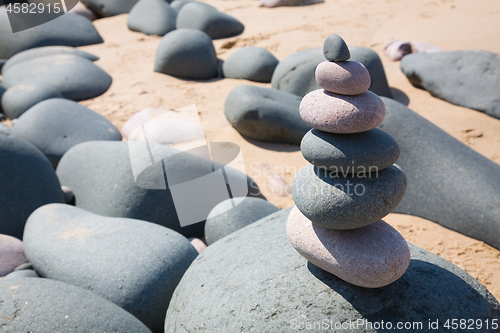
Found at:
[450, 24]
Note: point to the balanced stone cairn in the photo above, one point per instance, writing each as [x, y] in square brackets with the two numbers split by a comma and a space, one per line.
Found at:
[352, 182]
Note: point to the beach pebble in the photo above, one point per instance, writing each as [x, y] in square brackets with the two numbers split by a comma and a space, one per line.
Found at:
[234, 214]
[256, 281]
[347, 154]
[11, 254]
[465, 78]
[19, 98]
[279, 3]
[265, 114]
[60, 239]
[24, 266]
[105, 8]
[188, 54]
[28, 181]
[396, 49]
[81, 10]
[198, 244]
[68, 30]
[152, 17]
[25, 273]
[197, 15]
[463, 181]
[250, 63]
[342, 114]
[68, 194]
[74, 77]
[345, 78]
[335, 48]
[57, 124]
[39, 52]
[333, 201]
[44, 305]
[371, 257]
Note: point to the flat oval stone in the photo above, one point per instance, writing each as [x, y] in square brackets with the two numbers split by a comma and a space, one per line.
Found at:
[335, 48]
[345, 78]
[334, 113]
[372, 257]
[332, 201]
[350, 153]
[19, 98]
[11, 254]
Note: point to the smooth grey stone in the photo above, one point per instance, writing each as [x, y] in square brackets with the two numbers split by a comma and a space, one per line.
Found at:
[28, 181]
[331, 200]
[254, 280]
[152, 17]
[105, 8]
[234, 214]
[196, 15]
[74, 246]
[75, 77]
[295, 73]
[43, 305]
[465, 77]
[188, 54]
[25, 273]
[350, 153]
[24, 266]
[448, 182]
[4, 128]
[101, 177]
[46, 51]
[67, 30]
[251, 63]
[56, 125]
[69, 197]
[265, 114]
[178, 4]
[19, 98]
[335, 48]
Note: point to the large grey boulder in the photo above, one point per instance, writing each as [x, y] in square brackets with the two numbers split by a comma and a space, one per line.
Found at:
[152, 17]
[43, 305]
[261, 283]
[251, 63]
[465, 78]
[147, 261]
[448, 182]
[105, 8]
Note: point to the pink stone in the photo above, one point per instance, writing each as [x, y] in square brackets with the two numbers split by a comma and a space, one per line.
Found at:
[334, 113]
[11, 254]
[371, 257]
[345, 77]
[198, 244]
[396, 49]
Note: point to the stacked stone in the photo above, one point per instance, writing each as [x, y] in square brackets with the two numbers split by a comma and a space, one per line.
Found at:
[352, 182]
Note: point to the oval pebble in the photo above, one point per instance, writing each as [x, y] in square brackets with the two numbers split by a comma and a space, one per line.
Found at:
[11, 254]
[19, 98]
[335, 48]
[345, 78]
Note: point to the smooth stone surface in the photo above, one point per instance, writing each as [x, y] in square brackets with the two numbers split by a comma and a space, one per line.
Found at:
[350, 153]
[265, 114]
[101, 177]
[448, 182]
[178, 4]
[279, 3]
[334, 113]
[250, 63]
[335, 48]
[196, 15]
[148, 260]
[56, 125]
[396, 49]
[198, 244]
[345, 78]
[46, 51]
[28, 181]
[105, 8]
[68, 194]
[4, 128]
[187, 53]
[336, 202]
[254, 280]
[465, 78]
[43, 305]
[67, 30]
[19, 98]
[152, 17]
[295, 73]
[371, 257]
[226, 218]
[24, 266]
[75, 77]
[25, 273]
[11, 254]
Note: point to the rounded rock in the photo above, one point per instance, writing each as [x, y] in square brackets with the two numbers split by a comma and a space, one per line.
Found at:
[251, 63]
[152, 17]
[345, 78]
[19, 98]
[333, 201]
[368, 151]
[371, 257]
[335, 48]
[198, 244]
[11, 254]
[25, 273]
[105, 8]
[334, 113]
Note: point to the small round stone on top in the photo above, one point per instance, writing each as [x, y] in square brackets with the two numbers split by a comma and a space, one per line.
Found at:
[335, 49]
